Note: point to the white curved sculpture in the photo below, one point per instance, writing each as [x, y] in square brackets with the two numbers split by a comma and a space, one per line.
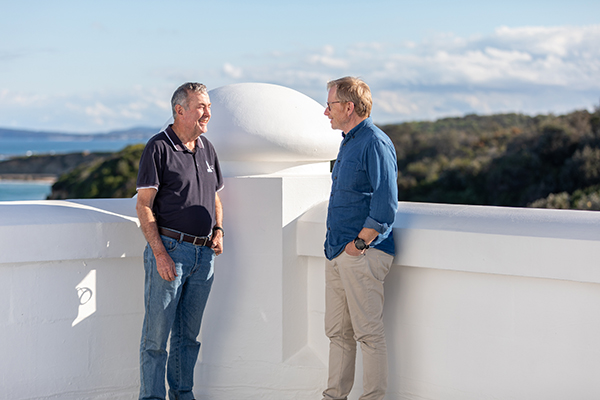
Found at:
[263, 128]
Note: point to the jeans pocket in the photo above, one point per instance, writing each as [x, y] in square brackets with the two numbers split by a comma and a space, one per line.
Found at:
[170, 244]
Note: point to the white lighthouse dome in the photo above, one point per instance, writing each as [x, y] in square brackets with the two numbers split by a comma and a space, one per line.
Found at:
[262, 128]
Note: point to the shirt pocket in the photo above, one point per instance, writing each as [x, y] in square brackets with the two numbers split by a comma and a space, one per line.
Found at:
[351, 176]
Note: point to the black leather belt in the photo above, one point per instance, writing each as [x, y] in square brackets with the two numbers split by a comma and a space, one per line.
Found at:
[195, 240]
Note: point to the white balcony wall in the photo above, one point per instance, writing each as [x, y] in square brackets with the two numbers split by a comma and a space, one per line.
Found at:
[71, 287]
[482, 302]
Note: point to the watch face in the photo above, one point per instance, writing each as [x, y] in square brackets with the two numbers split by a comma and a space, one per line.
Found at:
[360, 244]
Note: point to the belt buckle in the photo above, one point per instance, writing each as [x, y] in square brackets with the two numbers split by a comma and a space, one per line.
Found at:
[197, 244]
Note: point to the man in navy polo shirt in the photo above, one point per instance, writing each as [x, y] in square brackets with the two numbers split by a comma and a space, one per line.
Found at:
[359, 246]
[181, 217]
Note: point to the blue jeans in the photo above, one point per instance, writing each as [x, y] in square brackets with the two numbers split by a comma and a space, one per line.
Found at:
[176, 308]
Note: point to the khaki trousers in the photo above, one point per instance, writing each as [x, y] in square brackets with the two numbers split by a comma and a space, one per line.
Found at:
[354, 313]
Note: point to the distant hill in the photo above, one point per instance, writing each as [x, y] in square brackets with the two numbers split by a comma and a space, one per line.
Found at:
[46, 166]
[141, 132]
[545, 161]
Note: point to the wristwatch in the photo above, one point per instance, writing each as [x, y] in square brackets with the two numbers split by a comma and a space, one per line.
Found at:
[360, 244]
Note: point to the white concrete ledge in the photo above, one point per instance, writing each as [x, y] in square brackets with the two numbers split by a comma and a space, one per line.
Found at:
[68, 230]
[554, 244]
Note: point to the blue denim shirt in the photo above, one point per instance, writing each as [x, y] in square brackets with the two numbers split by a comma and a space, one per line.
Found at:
[364, 190]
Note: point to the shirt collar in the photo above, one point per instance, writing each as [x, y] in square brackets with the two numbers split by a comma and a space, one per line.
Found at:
[177, 143]
[358, 127]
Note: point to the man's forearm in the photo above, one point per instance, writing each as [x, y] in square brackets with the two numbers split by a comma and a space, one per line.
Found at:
[150, 230]
[218, 211]
[368, 235]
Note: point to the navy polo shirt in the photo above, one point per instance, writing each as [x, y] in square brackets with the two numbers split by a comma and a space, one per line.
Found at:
[186, 182]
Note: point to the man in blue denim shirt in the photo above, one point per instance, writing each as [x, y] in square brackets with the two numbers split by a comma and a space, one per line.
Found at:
[359, 245]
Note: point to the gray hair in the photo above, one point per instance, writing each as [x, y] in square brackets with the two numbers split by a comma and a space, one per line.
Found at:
[181, 94]
[354, 90]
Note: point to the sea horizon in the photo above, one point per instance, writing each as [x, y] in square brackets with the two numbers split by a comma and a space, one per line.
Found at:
[10, 148]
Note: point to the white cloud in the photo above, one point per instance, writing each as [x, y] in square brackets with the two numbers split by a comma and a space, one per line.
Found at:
[99, 110]
[527, 69]
[560, 41]
[232, 72]
[8, 98]
[565, 57]
[83, 113]
[502, 60]
[326, 59]
[394, 103]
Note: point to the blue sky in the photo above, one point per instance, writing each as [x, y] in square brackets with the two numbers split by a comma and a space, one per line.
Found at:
[81, 66]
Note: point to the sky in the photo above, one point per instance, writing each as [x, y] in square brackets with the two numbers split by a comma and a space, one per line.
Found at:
[89, 67]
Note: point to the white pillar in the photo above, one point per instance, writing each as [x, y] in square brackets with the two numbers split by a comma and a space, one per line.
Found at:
[255, 332]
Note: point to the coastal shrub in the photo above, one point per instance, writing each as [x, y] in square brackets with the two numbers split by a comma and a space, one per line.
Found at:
[113, 177]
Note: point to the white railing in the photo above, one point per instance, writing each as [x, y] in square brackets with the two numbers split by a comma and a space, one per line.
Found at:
[482, 302]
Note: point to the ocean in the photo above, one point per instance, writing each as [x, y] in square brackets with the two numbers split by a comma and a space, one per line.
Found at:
[24, 190]
[14, 147]
[38, 190]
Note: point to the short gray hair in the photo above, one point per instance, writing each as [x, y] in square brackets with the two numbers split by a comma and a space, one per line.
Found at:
[181, 94]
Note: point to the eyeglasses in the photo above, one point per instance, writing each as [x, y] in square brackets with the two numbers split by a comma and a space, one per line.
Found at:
[329, 104]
